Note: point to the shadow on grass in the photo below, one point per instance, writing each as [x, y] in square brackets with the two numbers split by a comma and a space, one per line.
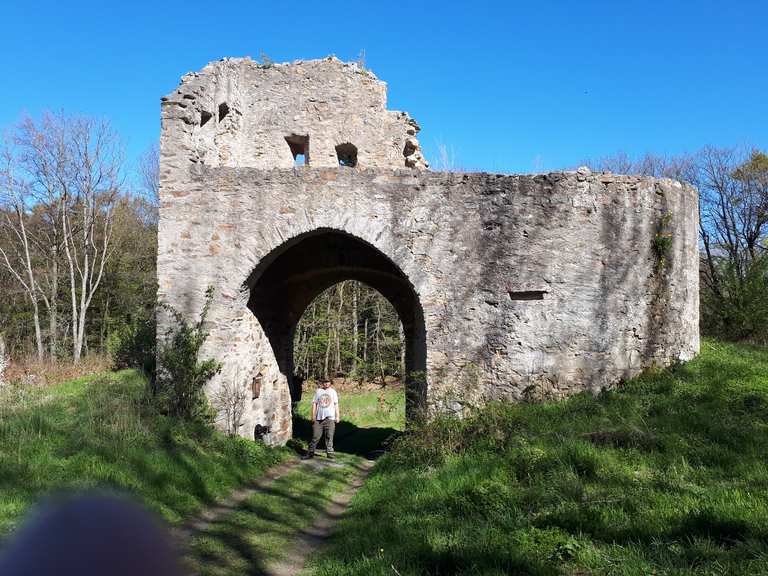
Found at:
[260, 530]
[349, 438]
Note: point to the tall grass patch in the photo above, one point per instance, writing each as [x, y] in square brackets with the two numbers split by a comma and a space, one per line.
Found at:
[101, 432]
[665, 474]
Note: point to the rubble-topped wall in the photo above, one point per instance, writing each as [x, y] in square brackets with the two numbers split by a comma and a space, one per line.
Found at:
[509, 287]
[239, 113]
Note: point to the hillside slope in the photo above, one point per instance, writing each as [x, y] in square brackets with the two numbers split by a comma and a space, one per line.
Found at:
[99, 432]
[665, 475]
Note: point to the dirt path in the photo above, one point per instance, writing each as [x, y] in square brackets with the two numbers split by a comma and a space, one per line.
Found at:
[314, 537]
[274, 525]
[204, 520]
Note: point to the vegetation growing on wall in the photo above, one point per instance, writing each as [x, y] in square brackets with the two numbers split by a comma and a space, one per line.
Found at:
[662, 240]
[181, 374]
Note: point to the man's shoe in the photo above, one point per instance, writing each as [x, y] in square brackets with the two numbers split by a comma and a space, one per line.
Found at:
[330, 456]
[307, 456]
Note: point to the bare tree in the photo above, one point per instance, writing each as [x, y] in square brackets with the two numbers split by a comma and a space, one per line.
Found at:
[733, 198]
[91, 190]
[229, 401]
[355, 336]
[149, 175]
[378, 339]
[3, 361]
[328, 339]
[338, 325]
[677, 167]
[44, 156]
[17, 248]
[74, 166]
[446, 160]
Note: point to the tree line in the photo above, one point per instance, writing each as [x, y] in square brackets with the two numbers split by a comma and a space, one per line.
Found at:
[78, 236]
[78, 253]
[352, 330]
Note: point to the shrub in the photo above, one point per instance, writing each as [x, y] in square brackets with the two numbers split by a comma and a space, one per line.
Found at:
[181, 376]
[133, 345]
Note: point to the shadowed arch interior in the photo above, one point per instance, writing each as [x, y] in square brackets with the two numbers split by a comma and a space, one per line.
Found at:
[288, 279]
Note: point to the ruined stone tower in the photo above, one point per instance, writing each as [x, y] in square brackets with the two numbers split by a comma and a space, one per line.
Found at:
[278, 181]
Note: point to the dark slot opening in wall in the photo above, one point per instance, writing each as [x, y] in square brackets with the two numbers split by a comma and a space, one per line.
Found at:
[223, 111]
[204, 117]
[299, 146]
[347, 154]
[527, 294]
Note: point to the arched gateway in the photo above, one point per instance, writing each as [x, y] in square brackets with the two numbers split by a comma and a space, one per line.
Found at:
[508, 287]
[287, 280]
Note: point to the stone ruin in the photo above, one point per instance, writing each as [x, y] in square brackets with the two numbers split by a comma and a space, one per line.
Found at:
[277, 181]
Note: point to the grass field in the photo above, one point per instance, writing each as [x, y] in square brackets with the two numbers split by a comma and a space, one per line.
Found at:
[370, 409]
[98, 432]
[668, 474]
[369, 420]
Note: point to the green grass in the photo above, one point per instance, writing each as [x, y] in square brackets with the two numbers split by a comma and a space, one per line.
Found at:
[263, 529]
[668, 474]
[99, 432]
[379, 409]
[369, 420]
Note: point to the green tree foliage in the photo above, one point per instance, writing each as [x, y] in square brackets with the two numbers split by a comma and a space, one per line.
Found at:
[132, 345]
[739, 308]
[734, 233]
[350, 329]
[181, 375]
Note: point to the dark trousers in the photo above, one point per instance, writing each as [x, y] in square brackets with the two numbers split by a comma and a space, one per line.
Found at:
[318, 427]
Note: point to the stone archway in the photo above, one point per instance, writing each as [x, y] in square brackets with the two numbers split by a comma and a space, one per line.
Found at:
[288, 279]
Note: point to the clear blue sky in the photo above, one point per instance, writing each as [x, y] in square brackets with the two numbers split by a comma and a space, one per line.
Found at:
[512, 87]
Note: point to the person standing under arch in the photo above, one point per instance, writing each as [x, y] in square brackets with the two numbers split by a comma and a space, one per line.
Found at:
[325, 416]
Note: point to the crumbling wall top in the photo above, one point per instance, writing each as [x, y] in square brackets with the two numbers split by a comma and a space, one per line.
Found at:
[236, 112]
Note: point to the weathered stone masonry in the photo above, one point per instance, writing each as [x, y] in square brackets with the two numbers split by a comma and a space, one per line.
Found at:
[509, 287]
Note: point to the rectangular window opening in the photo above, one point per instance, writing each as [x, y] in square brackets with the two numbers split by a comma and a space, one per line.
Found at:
[527, 294]
[223, 111]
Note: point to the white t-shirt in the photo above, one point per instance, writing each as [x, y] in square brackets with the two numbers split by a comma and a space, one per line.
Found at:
[326, 402]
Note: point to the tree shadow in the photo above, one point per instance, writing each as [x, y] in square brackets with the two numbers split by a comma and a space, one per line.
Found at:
[349, 438]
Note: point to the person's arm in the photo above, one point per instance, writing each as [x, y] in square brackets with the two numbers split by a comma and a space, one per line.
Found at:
[314, 410]
[337, 408]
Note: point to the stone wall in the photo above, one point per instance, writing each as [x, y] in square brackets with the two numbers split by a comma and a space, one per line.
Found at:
[478, 249]
[510, 287]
